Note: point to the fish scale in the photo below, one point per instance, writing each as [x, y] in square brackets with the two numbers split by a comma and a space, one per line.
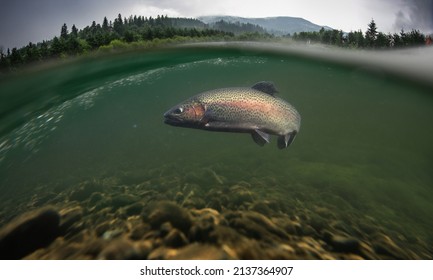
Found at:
[254, 110]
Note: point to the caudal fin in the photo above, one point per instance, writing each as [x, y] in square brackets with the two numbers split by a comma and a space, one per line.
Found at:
[285, 140]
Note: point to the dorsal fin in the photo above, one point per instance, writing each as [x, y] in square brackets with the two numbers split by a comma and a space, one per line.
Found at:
[266, 87]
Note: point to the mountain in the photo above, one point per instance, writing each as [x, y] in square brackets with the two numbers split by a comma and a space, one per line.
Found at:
[274, 25]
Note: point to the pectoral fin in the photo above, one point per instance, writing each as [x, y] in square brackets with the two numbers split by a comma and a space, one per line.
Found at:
[260, 137]
[285, 140]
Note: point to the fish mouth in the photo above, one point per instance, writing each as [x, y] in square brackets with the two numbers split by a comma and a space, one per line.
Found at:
[172, 120]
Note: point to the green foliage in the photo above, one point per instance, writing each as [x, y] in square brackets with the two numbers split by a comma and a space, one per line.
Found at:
[139, 31]
[371, 34]
[356, 39]
[330, 37]
[238, 28]
[64, 32]
[74, 31]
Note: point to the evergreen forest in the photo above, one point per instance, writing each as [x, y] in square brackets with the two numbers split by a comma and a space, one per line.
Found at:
[144, 32]
[372, 39]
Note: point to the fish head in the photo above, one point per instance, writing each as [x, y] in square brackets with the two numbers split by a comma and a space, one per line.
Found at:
[187, 114]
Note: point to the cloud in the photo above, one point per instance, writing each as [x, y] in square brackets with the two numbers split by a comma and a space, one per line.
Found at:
[415, 14]
[188, 8]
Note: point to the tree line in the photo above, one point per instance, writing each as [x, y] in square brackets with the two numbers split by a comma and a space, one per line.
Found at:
[238, 27]
[371, 39]
[122, 31]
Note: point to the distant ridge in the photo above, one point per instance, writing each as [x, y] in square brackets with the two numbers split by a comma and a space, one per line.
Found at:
[273, 25]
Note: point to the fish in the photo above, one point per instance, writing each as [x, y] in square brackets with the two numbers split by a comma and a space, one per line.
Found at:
[256, 110]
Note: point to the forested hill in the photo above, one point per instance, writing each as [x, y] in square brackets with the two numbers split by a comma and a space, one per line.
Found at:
[122, 31]
[236, 27]
[279, 26]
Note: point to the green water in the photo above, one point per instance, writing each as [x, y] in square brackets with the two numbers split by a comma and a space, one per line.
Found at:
[365, 141]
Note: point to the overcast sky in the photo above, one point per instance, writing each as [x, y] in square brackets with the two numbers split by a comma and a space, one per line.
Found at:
[23, 21]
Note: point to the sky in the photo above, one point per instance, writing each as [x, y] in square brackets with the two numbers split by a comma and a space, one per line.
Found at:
[24, 21]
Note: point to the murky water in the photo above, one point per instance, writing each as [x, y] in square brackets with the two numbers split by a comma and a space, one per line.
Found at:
[365, 141]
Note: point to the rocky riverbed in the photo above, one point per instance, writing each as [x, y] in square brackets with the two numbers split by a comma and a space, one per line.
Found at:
[199, 215]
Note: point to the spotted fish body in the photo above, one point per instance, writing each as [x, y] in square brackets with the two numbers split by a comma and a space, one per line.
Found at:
[254, 110]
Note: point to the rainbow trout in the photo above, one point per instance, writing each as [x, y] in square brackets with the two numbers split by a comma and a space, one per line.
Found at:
[254, 110]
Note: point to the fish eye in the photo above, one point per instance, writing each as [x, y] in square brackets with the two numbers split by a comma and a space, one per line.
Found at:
[178, 111]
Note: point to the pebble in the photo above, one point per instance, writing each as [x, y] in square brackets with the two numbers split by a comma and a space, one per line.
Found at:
[288, 226]
[121, 249]
[225, 235]
[85, 190]
[257, 226]
[28, 232]
[165, 228]
[162, 253]
[266, 223]
[70, 220]
[101, 228]
[134, 209]
[198, 251]
[112, 234]
[243, 220]
[95, 197]
[194, 202]
[214, 203]
[121, 200]
[201, 230]
[261, 207]
[138, 231]
[240, 194]
[175, 239]
[317, 222]
[367, 252]
[39, 200]
[341, 243]
[168, 212]
[384, 245]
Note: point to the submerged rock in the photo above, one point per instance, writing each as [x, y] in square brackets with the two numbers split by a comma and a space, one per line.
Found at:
[70, 219]
[121, 249]
[384, 245]
[168, 212]
[261, 207]
[341, 243]
[198, 251]
[175, 238]
[29, 232]
[134, 209]
[121, 200]
[85, 190]
[256, 225]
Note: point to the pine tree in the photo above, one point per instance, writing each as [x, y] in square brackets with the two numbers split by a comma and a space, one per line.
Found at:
[57, 47]
[64, 32]
[74, 31]
[16, 57]
[403, 38]
[382, 40]
[371, 34]
[105, 24]
[118, 25]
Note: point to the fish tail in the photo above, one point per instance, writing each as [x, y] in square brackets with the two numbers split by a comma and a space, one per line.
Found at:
[285, 140]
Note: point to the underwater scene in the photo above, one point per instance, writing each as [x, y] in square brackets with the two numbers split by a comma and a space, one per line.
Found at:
[89, 169]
